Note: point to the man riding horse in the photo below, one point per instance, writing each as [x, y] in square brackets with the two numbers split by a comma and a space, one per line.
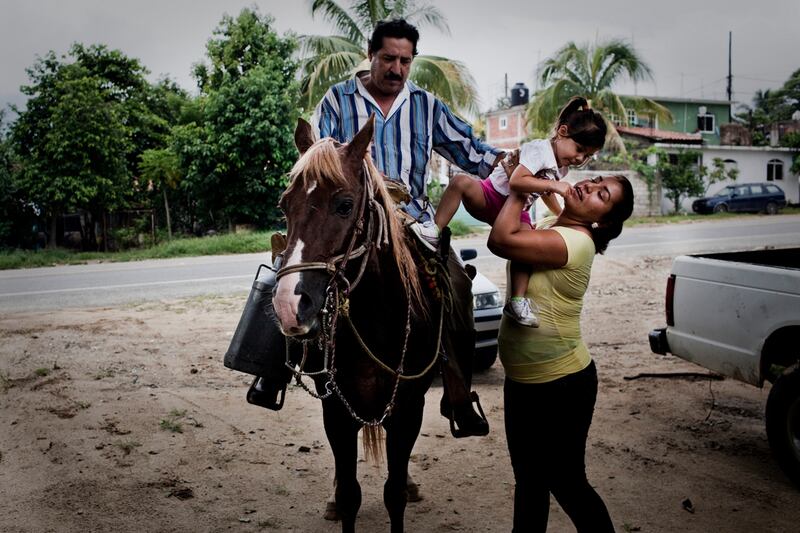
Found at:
[409, 124]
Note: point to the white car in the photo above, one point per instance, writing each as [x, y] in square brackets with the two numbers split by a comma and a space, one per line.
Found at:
[487, 311]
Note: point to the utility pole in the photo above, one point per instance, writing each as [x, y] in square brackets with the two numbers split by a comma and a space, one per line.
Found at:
[730, 77]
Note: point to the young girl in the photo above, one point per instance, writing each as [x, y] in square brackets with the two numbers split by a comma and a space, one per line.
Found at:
[579, 133]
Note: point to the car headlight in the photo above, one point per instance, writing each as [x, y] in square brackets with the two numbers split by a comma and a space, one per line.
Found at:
[487, 300]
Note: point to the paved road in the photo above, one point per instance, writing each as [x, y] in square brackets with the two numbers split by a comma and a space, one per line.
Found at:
[117, 283]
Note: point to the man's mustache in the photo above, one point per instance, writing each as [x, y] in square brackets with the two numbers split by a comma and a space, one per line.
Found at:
[393, 77]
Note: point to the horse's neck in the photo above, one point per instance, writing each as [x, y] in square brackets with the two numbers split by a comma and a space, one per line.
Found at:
[381, 285]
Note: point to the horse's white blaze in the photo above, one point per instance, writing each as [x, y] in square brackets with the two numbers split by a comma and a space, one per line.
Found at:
[286, 302]
[311, 188]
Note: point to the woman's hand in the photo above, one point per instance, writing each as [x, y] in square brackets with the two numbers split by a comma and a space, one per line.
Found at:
[544, 248]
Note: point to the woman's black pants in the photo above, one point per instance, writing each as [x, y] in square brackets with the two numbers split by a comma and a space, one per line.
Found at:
[546, 429]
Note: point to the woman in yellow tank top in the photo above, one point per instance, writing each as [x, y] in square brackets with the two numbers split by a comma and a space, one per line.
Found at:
[551, 381]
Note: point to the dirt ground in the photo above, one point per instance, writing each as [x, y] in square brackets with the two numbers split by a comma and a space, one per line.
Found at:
[124, 419]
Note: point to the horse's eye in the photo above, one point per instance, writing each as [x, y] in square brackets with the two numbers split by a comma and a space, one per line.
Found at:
[344, 207]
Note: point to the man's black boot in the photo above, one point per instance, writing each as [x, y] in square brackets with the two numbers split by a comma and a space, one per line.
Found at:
[456, 404]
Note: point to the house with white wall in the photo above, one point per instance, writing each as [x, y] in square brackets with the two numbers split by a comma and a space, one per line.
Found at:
[756, 164]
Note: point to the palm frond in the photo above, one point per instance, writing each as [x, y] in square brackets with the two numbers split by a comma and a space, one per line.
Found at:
[425, 16]
[370, 12]
[448, 79]
[327, 60]
[341, 20]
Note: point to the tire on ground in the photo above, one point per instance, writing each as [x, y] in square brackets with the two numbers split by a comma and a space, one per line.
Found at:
[485, 358]
[783, 423]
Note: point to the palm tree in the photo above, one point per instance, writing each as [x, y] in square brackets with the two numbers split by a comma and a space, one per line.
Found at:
[327, 60]
[590, 70]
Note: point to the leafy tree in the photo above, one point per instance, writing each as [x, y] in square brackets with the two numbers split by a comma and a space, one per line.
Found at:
[16, 215]
[236, 157]
[681, 177]
[770, 106]
[792, 140]
[71, 141]
[591, 70]
[719, 172]
[89, 116]
[327, 60]
[161, 167]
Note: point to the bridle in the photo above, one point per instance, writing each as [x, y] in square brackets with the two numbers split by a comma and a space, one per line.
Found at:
[337, 302]
[375, 236]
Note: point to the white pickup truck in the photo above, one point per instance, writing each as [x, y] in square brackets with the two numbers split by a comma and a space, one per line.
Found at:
[738, 314]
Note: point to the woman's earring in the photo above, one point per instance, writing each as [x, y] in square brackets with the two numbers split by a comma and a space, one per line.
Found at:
[595, 225]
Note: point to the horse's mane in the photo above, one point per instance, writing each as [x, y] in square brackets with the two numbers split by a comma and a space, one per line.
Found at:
[322, 162]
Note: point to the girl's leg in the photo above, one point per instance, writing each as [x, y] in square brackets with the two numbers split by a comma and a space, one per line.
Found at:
[461, 189]
[523, 312]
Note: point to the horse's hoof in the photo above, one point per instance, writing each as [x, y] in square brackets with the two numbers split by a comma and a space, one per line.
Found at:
[331, 513]
[413, 493]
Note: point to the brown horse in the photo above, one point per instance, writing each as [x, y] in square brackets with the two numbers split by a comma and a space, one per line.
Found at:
[351, 289]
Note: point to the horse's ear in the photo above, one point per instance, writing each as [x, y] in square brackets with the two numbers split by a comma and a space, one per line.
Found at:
[358, 146]
[303, 136]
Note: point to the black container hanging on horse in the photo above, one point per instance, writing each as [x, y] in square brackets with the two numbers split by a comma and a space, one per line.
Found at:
[258, 347]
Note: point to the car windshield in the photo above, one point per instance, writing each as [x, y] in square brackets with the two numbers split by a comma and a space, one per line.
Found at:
[725, 192]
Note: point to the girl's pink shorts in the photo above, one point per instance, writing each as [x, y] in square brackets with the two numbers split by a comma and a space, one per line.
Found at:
[494, 203]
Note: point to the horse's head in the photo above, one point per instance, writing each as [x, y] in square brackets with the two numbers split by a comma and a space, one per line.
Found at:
[322, 205]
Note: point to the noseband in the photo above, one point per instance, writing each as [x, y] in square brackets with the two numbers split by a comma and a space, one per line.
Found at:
[376, 236]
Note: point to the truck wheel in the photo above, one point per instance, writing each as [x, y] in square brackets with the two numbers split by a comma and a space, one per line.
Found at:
[783, 423]
[771, 208]
[485, 358]
[721, 208]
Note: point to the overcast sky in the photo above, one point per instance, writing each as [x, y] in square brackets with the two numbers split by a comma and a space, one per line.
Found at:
[685, 42]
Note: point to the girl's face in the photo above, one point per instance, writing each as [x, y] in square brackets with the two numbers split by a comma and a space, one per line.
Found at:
[569, 153]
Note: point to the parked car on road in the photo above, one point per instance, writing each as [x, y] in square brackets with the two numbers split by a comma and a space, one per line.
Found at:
[744, 197]
[487, 311]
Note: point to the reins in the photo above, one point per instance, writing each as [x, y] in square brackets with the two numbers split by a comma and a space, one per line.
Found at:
[337, 301]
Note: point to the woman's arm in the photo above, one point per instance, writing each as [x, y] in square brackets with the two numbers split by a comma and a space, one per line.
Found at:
[544, 248]
[552, 204]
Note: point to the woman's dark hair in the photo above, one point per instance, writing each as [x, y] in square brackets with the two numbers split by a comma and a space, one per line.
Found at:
[584, 125]
[397, 28]
[610, 226]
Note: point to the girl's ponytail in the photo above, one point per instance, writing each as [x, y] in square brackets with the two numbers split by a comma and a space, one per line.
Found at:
[584, 125]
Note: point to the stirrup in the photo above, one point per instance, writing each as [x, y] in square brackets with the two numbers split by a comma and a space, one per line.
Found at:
[263, 394]
[480, 431]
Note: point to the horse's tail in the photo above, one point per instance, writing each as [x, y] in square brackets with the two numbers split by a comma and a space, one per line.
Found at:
[373, 443]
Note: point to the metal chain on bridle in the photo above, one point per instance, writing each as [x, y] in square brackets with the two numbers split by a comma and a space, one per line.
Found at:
[337, 302]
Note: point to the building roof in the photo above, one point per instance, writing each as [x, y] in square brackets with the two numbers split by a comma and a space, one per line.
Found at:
[508, 110]
[681, 100]
[656, 135]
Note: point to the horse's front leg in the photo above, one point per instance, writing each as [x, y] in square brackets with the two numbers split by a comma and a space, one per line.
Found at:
[342, 432]
[402, 430]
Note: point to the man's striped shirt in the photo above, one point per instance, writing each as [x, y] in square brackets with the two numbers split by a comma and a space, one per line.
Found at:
[417, 123]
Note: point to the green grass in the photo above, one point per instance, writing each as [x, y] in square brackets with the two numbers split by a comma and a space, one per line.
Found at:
[255, 242]
[127, 446]
[234, 243]
[693, 217]
[170, 425]
[171, 422]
